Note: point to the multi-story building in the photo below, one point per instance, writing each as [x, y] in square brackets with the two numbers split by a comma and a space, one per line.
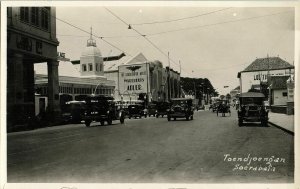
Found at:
[31, 39]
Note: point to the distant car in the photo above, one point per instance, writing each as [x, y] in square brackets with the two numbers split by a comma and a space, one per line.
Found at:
[72, 111]
[181, 108]
[252, 109]
[136, 110]
[102, 109]
[152, 110]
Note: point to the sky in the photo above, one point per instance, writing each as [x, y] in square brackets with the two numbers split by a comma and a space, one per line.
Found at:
[210, 42]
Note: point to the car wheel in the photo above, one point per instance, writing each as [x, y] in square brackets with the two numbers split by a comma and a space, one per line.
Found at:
[129, 117]
[187, 118]
[87, 123]
[146, 116]
[157, 115]
[240, 122]
[192, 117]
[109, 121]
[101, 122]
[162, 115]
[264, 123]
[174, 118]
[122, 120]
[169, 118]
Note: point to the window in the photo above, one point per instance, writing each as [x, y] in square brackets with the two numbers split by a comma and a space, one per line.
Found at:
[284, 93]
[83, 67]
[24, 14]
[90, 67]
[39, 47]
[45, 18]
[35, 16]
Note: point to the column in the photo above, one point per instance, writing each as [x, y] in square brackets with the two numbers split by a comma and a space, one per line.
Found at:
[53, 87]
[15, 91]
[18, 78]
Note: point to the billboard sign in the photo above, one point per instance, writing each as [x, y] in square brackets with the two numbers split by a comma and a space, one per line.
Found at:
[133, 79]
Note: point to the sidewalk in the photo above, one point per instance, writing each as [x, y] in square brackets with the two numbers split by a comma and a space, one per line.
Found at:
[283, 121]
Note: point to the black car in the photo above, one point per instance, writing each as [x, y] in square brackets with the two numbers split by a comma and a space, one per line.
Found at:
[252, 108]
[181, 108]
[136, 110]
[102, 109]
[152, 110]
[73, 111]
[162, 108]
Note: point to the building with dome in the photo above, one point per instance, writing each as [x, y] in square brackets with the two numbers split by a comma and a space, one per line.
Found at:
[76, 82]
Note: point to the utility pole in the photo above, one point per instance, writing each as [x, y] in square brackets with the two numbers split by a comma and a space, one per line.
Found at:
[169, 84]
[179, 84]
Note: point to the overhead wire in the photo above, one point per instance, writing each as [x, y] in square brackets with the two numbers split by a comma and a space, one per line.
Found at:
[92, 35]
[153, 44]
[188, 28]
[179, 19]
[218, 23]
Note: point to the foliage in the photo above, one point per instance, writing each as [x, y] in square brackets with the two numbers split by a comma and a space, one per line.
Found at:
[198, 85]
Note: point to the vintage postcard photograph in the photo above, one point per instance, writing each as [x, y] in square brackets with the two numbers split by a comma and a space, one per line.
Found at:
[141, 92]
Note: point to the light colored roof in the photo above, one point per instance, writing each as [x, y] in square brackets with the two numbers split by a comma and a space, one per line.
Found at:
[91, 51]
[252, 94]
[64, 69]
[125, 60]
[114, 64]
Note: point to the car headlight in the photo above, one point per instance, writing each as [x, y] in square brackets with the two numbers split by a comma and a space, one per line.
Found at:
[107, 112]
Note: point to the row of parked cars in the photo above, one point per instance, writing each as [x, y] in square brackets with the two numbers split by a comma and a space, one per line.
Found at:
[103, 109]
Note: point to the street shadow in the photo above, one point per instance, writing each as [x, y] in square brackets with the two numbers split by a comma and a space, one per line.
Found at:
[253, 125]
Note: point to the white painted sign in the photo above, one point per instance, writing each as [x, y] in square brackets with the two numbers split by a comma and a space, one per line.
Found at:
[249, 79]
[133, 79]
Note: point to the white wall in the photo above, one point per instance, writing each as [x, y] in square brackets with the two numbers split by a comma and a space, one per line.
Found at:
[278, 98]
[253, 78]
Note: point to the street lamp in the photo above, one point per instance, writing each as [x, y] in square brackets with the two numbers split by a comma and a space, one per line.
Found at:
[99, 84]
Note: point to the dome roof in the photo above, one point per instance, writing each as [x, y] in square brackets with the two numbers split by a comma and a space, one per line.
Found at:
[91, 51]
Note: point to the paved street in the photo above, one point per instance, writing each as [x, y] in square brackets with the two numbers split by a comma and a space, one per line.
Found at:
[207, 149]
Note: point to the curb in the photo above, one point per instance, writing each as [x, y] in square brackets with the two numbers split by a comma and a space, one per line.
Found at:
[282, 128]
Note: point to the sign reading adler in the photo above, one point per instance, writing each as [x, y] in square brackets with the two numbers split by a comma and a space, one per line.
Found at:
[133, 78]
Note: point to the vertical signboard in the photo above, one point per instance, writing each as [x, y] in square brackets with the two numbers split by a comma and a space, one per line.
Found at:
[133, 79]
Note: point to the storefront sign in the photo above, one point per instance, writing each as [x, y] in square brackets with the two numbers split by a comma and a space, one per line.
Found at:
[133, 79]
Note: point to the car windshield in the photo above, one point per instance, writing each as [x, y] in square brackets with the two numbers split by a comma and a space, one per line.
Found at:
[181, 102]
[251, 100]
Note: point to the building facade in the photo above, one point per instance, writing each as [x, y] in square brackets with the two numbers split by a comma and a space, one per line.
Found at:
[269, 76]
[31, 38]
[139, 78]
[87, 77]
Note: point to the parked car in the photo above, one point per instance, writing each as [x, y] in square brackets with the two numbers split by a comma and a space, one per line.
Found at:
[152, 110]
[181, 108]
[252, 108]
[136, 110]
[102, 109]
[161, 108]
[73, 111]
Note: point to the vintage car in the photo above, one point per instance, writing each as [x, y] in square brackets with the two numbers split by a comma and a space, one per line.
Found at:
[102, 109]
[136, 110]
[152, 110]
[161, 108]
[252, 108]
[223, 108]
[181, 108]
[73, 111]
